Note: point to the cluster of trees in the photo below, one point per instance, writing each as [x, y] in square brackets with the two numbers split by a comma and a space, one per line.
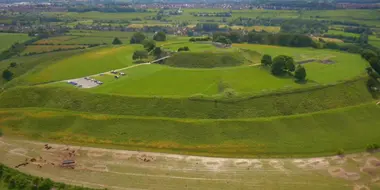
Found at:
[282, 39]
[373, 83]
[139, 37]
[358, 30]
[298, 26]
[201, 39]
[232, 37]
[20, 181]
[150, 48]
[183, 49]
[214, 14]
[7, 73]
[108, 9]
[282, 65]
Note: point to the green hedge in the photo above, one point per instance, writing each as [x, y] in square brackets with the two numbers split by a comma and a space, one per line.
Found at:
[16, 180]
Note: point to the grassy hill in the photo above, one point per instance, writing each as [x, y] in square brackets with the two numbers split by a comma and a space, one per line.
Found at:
[205, 60]
[312, 134]
[288, 103]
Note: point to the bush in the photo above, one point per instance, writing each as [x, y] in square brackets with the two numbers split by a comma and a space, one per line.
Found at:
[13, 64]
[1, 133]
[116, 41]
[340, 152]
[372, 147]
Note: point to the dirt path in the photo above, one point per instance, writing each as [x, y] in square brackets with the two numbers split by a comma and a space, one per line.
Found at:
[145, 170]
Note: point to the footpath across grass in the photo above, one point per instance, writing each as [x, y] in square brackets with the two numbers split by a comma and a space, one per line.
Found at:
[315, 134]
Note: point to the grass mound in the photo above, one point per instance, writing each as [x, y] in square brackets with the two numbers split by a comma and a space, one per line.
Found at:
[300, 101]
[313, 134]
[205, 59]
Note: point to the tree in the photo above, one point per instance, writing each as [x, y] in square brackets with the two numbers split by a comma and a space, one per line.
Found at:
[140, 54]
[157, 51]
[278, 65]
[149, 45]
[159, 36]
[368, 54]
[363, 39]
[116, 41]
[289, 64]
[7, 75]
[223, 40]
[300, 73]
[375, 64]
[266, 60]
[137, 38]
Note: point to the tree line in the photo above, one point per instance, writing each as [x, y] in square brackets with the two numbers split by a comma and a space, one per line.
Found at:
[16, 180]
[281, 39]
[108, 9]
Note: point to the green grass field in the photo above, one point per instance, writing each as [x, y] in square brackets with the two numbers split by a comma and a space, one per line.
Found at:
[8, 39]
[312, 134]
[157, 80]
[30, 65]
[345, 65]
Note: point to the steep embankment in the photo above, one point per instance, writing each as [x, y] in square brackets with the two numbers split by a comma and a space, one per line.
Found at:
[297, 102]
[320, 133]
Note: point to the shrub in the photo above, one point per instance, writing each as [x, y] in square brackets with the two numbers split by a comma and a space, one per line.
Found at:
[229, 93]
[116, 41]
[372, 147]
[1, 133]
[340, 152]
[266, 60]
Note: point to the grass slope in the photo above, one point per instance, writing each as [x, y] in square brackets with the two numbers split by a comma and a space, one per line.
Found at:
[30, 65]
[289, 103]
[92, 62]
[8, 39]
[313, 134]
